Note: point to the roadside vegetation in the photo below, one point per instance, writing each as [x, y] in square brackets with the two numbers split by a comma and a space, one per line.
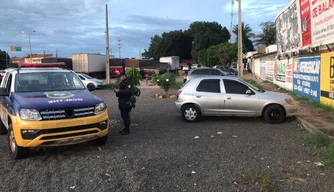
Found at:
[264, 182]
[323, 145]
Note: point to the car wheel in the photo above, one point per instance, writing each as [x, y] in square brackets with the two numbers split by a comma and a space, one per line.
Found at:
[274, 114]
[16, 152]
[3, 130]
[90, 84]
[100, 141]
[190, 113]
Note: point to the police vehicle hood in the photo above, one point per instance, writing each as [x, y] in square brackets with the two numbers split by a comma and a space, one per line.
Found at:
[56, 99]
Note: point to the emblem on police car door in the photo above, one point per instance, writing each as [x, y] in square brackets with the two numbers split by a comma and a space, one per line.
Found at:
[59, 94]
[129, 86]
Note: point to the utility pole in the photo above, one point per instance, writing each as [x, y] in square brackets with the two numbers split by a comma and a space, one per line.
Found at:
[57, 53]
[231, 26]
[240, 40]
[30, 44]
[139, 53]
[43, 53]
[119, 48]
[107, 48]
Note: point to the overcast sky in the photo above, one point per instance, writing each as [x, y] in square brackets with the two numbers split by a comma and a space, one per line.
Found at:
[78, 26]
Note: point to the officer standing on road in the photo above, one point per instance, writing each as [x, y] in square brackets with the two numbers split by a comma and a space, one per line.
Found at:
[124, 104]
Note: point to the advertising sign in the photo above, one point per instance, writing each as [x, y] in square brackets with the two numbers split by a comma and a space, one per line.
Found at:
[270, 71]
[283, 73]
[322, 15]
[305, 17]
[306, 77]
[288, 28]
[327, 79]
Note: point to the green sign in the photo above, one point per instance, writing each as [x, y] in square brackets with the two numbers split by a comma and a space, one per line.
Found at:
[15, 48]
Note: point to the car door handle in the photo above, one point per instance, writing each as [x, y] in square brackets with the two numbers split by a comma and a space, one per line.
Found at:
[198, 96]
[229, 97]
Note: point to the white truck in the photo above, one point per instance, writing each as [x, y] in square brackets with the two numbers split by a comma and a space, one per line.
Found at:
[173, 61]
[93, 64]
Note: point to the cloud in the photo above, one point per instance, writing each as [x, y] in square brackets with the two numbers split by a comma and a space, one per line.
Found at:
[73, 26]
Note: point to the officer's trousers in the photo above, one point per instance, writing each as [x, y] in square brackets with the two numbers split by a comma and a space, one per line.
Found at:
[125, 109]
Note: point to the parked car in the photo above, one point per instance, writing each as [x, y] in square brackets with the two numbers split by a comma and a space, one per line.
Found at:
[231, 96]
[86, 79]
[45, 105]
[204, 71]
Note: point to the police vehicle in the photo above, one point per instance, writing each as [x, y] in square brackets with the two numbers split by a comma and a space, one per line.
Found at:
[44, 105]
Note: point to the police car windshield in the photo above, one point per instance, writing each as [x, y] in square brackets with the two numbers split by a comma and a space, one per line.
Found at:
[47, 81]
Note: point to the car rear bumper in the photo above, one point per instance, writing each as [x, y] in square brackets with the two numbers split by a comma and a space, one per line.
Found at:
[60, 132]
[178, 106]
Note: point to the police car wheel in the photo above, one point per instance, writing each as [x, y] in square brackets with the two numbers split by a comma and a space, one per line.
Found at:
[16, 152]
[100, 141]
[3, 130]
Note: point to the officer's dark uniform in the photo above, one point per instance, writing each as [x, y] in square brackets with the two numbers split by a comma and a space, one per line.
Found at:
[124, 104]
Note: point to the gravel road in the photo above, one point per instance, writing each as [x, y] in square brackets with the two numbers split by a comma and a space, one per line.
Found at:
[163, 153]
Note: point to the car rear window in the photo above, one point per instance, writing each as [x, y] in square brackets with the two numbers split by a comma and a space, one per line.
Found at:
[215, 72]
[201, 72]
[209, 85]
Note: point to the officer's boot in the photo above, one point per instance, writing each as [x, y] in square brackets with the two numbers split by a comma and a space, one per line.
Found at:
[125, 131]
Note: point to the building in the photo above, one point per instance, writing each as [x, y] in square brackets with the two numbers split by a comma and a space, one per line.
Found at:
[16, 60]
[36, 58]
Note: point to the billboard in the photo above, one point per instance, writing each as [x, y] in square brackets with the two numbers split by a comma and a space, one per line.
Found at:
[306, 77]
[270, 71]
[327, 79]
[322, 21]
[283, 73]
[305, 19]
[288, 29]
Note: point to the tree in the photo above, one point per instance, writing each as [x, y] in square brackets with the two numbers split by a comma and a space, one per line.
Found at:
[154, 49]
[222, 54]
[170, 43]
[206, 34]
[268, 35]
[247, 33]
[227, 53]
[3, 60]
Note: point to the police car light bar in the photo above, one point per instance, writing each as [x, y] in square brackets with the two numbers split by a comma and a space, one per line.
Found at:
[59, 64]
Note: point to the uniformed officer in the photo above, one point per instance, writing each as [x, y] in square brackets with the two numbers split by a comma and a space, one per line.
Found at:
[124, 104]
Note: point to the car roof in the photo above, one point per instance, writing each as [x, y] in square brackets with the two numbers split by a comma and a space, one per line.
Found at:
[199, 78]
[38, 70]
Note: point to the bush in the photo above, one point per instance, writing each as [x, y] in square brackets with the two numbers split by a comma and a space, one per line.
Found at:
[165, 81]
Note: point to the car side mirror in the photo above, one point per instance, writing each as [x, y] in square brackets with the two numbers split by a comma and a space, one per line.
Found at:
[3, 92]
[249, 92]
[91, 87]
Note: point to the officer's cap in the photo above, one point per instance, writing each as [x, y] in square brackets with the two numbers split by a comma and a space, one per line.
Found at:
[122, 73]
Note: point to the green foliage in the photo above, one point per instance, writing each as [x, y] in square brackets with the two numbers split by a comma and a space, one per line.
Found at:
[134, 75]
[263, 182]
[205, 35]
[170, 43]
[317, 139]
[3, 55]
[177, 85]
[165, 81]
[247, 33]
[268, 35]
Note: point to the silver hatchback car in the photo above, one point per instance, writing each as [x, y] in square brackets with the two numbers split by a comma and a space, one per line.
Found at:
[231, 96]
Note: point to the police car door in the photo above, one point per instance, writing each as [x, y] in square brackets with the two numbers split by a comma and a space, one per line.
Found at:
[4, 100]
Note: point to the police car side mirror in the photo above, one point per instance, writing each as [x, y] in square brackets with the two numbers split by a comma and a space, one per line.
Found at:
[3, 92]
[91, 87]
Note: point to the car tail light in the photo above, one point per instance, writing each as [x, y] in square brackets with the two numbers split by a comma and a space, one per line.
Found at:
[178, 94]
[116, 71]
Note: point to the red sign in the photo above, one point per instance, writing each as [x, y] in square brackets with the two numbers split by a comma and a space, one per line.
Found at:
[305, 14]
